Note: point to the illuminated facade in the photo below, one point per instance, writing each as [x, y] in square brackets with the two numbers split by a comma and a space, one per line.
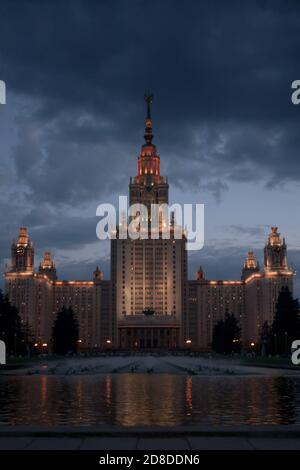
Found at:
[39, 295]
[149, 302]
[252, 299]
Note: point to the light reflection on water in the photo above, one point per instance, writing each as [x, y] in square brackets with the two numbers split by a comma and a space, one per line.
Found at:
[143, 399]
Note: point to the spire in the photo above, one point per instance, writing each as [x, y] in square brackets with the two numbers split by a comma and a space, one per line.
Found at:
[148, 97]
[148, 160]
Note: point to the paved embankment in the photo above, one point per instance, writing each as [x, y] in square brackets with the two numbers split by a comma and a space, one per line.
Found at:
[105, 438]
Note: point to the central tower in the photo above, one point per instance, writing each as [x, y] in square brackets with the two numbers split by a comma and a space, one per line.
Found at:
[148, 186]
[149, 275]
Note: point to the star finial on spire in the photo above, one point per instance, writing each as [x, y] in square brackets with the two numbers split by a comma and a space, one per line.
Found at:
[148, 97]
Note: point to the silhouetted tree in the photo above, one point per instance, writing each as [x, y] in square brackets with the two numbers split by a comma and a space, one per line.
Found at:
[65, 332]
[266, 339]
[11, 327]
[226, 335]
[286, 325]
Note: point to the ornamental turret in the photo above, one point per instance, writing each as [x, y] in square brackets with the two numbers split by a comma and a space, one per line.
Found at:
[47, 266]
[200, 275]
[275, 252]
[250, 267]
[97, 275]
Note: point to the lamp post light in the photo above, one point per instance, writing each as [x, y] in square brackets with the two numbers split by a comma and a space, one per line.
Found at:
[252, 346]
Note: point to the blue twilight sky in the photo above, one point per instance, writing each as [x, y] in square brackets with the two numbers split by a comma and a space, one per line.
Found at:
[224, 124]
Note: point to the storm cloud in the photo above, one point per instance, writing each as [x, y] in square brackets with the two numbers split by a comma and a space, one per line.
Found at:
[76, 71]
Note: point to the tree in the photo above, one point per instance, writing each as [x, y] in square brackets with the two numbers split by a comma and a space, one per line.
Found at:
[65, 332]
[11, 331]
[226, 335]
[286, 325]
[265, 339]
[218, 341]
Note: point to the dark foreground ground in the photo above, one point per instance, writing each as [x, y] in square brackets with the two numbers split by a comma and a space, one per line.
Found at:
[106, 438]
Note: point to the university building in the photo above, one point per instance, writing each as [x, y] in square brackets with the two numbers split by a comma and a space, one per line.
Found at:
[148, 303]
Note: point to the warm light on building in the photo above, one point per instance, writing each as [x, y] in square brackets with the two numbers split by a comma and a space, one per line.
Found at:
[149, 301]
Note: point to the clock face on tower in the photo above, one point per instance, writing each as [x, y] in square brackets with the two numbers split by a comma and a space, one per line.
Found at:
[20, 250]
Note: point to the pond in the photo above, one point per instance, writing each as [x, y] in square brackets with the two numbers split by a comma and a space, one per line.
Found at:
[149, 399]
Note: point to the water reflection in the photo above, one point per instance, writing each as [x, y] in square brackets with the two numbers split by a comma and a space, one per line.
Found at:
[138, 399]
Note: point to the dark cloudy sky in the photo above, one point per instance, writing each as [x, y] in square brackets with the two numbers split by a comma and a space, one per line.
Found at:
[224, 124]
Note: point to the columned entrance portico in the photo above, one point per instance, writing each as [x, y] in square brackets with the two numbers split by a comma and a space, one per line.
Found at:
[148, 337]
[155, 332]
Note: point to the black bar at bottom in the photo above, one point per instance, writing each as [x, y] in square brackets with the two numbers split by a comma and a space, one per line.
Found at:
[143, 459]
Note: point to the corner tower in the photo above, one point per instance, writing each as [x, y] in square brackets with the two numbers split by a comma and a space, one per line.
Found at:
[275, 253]
[22, 253]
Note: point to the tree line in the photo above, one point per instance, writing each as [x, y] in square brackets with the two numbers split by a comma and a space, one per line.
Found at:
[19, 339]
[275, 338]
